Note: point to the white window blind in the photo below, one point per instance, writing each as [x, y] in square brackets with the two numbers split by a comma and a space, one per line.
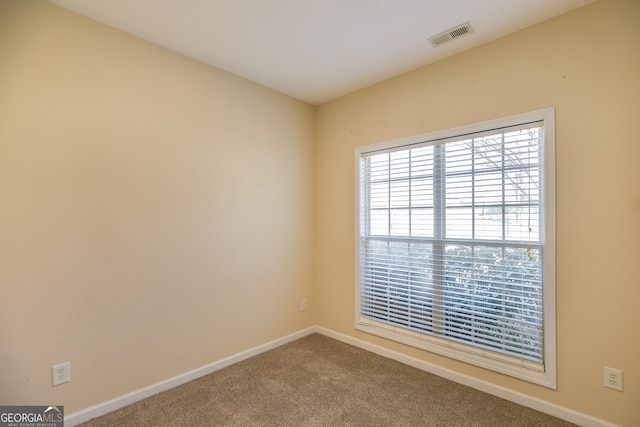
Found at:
[451, 242]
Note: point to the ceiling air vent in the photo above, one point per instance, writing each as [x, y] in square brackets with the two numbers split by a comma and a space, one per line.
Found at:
[450, 34]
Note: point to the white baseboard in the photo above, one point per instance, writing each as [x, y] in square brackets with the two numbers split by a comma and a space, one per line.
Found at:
[496, 390]
[566, 414]
[84, 415]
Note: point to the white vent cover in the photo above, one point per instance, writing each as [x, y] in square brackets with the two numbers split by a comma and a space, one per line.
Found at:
[450, 34]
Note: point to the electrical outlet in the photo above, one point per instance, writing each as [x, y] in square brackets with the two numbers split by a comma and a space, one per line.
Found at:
[61, 373]
[303, 305]
[613, 378]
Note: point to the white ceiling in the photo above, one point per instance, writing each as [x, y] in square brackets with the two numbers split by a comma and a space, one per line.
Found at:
[317, 50]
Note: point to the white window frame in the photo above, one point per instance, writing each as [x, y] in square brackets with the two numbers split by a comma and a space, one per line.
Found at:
[544, 374]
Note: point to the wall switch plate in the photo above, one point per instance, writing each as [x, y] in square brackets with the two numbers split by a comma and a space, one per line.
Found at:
[61, 373]
[303, 305]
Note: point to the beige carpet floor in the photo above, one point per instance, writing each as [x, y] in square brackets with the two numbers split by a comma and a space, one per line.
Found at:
[318, 381]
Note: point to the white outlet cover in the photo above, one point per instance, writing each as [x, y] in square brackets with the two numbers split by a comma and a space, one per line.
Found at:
[61, 373]
[613, 378]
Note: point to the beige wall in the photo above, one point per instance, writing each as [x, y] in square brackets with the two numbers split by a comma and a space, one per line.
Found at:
[155, 213]
[586, 64]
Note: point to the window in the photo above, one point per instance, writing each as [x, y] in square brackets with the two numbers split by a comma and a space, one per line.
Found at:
[456, 244]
